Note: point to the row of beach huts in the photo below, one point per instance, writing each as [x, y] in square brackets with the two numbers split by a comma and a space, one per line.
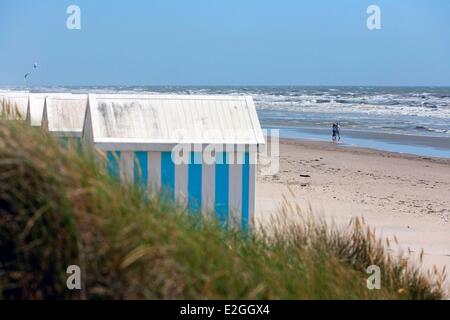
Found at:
[199, 151]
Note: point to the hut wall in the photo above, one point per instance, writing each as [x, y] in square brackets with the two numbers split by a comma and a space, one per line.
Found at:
[228, 190]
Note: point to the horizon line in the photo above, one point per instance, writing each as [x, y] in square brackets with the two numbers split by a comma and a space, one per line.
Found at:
[224, 85]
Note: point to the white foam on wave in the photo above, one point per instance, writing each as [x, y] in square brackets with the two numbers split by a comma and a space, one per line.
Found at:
[374, 105]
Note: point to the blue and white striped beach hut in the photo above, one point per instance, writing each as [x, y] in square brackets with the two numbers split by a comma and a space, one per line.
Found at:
[199, 150]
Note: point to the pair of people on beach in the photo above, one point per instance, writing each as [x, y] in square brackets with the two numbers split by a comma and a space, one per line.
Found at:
[336, 131]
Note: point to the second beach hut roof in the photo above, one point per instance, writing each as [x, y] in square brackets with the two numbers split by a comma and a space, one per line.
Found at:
[36, 106]
[172, 119]
[35, 109]
[64, 115]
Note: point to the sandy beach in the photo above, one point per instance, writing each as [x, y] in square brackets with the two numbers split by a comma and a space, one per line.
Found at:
[397, 194]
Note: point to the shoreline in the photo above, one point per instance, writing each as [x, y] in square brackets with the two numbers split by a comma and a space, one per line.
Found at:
[421, 145]
[400, 195]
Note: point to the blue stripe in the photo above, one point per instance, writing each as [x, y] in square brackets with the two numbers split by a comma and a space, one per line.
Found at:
[167, 176]
[245, 191]
[67, 142]
[221, 184]
[141, 169]
[195, 183]
[112, 163]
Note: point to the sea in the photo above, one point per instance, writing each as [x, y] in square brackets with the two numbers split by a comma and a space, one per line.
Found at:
[412, 120]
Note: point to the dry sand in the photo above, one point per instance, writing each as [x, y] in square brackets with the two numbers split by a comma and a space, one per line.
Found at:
[403, 195]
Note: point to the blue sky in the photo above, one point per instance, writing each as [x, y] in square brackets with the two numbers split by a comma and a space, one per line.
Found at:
[225, 42]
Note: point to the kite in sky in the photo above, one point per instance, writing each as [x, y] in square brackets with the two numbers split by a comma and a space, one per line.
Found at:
[25, 77]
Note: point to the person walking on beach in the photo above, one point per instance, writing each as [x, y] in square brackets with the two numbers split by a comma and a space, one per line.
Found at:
[338, 131]
[334, 130]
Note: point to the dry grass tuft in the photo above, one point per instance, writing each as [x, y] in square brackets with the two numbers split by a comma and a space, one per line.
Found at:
[358, 247]
[10, 111]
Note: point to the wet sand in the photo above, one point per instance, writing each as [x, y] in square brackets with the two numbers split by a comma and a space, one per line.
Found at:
[432, 146]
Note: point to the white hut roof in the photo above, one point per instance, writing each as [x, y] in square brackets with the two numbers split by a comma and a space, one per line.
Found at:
[64, 115]
[173, 119]
[36, 106]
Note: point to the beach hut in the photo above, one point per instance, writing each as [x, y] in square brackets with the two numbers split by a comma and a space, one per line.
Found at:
[63, 116]
[14, 105]
[196, 150]
[35, 107]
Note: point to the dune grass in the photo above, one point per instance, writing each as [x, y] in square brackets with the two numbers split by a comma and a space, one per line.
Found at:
[59, 207]
[10, 111]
